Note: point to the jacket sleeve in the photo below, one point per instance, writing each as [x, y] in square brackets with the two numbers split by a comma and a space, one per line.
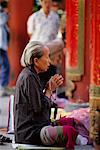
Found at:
[33, 94]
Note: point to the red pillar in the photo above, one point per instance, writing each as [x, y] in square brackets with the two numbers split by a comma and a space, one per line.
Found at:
[82, 87]
[19, 12]
[95, 75]
[78, 34]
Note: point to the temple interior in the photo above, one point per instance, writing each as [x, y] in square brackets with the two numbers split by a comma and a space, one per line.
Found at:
[78, 60]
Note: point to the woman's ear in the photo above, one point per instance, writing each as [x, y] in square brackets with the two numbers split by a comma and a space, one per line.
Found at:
[36, 61]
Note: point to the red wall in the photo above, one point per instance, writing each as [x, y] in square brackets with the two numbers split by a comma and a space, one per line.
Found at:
[82, 87]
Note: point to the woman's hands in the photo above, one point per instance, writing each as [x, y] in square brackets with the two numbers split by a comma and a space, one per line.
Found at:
[54, 82]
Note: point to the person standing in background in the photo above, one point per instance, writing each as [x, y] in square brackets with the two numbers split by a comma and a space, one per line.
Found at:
[43, 25]
[4, 40]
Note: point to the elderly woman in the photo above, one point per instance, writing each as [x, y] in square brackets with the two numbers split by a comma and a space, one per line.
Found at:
[32, 105]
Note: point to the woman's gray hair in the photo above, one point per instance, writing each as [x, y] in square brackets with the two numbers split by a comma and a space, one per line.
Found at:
[33, 49]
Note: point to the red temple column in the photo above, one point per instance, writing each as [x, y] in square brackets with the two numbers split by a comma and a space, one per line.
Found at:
[72, 37]
[95, 75]
[19, 12]
[75, 58]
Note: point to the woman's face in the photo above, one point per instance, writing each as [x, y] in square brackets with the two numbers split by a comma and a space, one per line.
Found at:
[43, 63]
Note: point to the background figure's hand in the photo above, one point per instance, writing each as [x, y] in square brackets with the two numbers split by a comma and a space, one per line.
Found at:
[54, 82]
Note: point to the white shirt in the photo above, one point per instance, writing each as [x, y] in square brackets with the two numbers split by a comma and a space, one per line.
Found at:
[42, 28]
[3, 30]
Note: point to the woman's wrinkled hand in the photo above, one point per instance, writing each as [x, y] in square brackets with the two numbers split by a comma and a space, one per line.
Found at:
[55, 81]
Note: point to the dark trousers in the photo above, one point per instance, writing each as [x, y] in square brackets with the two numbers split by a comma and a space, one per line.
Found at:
[4, 68]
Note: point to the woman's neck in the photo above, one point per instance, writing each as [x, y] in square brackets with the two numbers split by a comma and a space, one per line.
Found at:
[36, 69]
